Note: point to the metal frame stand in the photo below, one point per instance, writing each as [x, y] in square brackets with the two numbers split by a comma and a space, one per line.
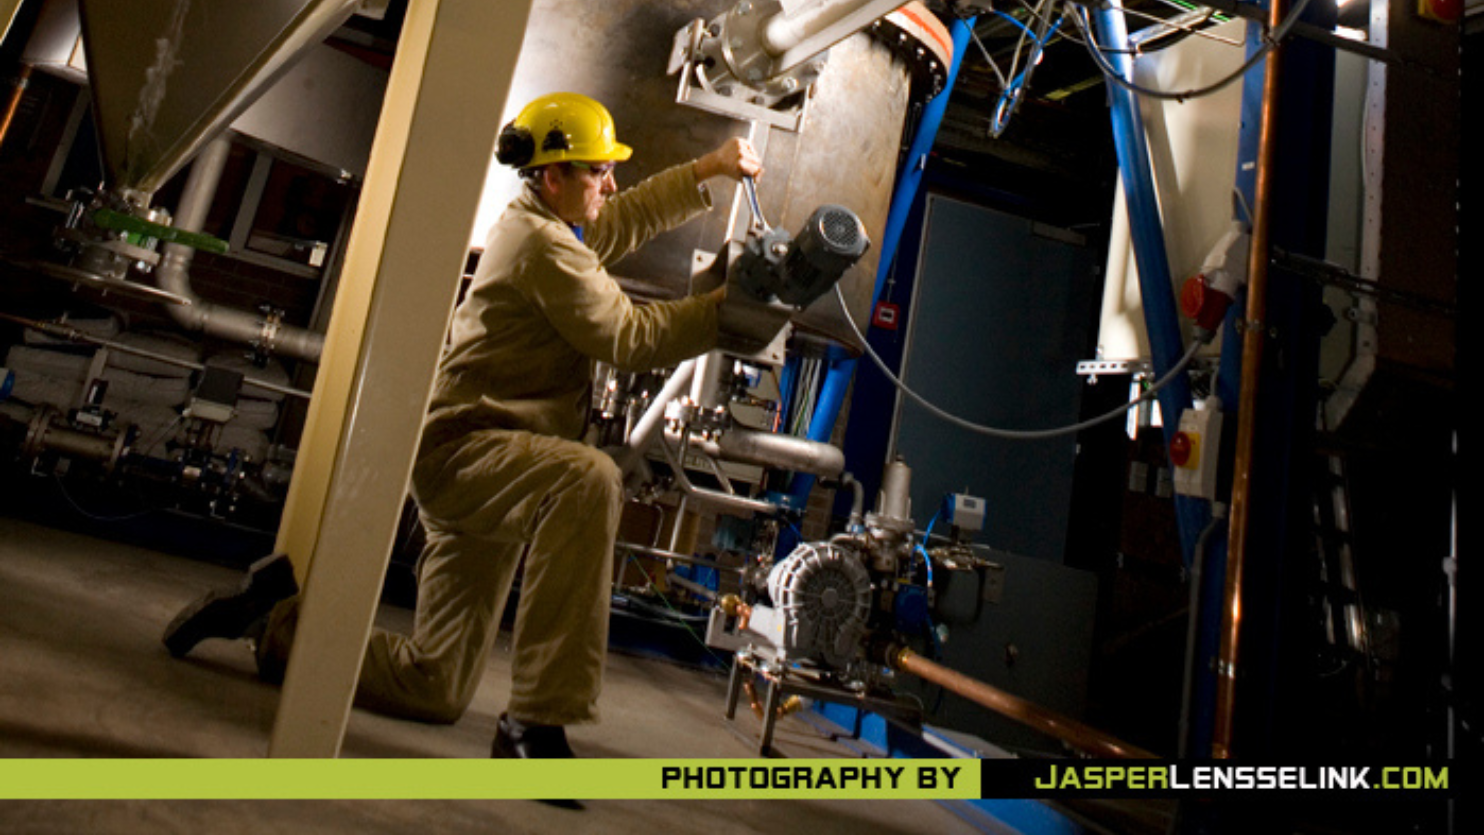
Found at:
[781, 683]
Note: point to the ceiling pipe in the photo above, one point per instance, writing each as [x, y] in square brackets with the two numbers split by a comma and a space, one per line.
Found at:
[263, 333]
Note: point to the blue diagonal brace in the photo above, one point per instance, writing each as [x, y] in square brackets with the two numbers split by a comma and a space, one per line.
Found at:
[1161, 319]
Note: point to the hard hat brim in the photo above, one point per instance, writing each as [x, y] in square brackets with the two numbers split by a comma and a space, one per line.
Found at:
[618, 153]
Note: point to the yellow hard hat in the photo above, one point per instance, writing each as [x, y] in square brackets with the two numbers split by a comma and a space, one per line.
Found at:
[560, 127]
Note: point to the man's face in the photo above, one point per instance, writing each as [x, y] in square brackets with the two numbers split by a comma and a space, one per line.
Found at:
[578, 190]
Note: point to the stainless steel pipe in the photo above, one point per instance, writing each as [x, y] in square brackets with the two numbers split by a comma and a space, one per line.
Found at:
[652, 421]
[173, 274]
[74, 335]
[717, 498]
[767, 449]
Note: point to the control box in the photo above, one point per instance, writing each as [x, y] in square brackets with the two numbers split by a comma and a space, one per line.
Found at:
[1195, 451]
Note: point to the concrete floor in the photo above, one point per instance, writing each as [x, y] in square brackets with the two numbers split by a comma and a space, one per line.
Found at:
[83, 674]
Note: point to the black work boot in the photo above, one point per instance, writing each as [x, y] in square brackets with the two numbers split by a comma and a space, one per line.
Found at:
[231, 613]
[516, 740]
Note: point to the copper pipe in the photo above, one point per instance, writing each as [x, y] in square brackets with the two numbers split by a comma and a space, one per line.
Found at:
[733, 606]
[22, 81]
[752, 698]
[792, 704]
[1253, 338]
[1027, 713]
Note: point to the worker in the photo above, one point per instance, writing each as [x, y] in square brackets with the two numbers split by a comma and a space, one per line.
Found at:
[500, 471]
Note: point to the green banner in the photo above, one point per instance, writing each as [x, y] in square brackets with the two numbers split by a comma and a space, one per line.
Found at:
[266, 779]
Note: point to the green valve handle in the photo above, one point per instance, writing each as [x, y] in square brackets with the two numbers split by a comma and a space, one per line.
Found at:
[131, 225]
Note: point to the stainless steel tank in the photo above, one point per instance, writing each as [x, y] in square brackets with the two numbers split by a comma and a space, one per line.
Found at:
[847, 151]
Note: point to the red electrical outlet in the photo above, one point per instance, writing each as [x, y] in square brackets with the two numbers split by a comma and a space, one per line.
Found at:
[886, 317]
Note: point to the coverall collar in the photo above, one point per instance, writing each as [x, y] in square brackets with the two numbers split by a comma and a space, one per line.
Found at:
[530, 200]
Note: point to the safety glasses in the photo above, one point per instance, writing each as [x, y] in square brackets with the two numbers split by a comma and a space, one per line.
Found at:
[599, 169]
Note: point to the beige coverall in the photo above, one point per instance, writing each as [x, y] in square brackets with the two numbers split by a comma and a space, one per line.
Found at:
[500, 469]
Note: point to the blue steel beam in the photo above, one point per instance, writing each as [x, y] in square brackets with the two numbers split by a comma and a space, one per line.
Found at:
[1161, 320]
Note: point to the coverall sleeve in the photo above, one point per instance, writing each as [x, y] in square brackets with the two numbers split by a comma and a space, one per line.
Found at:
[635, 215]
[589, 310]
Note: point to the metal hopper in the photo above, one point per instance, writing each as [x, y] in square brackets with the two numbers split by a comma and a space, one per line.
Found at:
[168, 75]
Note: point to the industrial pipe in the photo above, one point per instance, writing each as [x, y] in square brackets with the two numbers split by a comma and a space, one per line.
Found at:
[856, 521]
[652, 421]
[75, 335]
[705, 386]
[792, 704]
[770, 449]
[794, 38]
[1195, 619]
[730, 501]
[173, 274]
[1253, 337]
[45, 435]
[1045, 720]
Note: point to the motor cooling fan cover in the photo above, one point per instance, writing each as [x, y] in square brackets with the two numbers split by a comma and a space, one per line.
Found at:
[824, 593]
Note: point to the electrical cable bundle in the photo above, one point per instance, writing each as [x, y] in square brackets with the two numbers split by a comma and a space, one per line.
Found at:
[1042, 22]
[1270, 40]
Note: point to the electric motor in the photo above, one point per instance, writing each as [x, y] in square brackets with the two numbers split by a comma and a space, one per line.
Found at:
[832, 240]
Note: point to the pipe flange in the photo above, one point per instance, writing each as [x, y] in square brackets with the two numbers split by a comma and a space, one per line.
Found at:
[734, 43]
[921, 41]
[130, 253]
[889, 524]
[35, 442]
[270, 327]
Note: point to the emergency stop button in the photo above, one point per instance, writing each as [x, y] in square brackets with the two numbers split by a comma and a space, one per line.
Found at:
[1193, 450]
[1182, 447]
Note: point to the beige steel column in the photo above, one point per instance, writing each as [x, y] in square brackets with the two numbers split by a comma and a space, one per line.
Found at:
[444, 101]
[8, 8]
